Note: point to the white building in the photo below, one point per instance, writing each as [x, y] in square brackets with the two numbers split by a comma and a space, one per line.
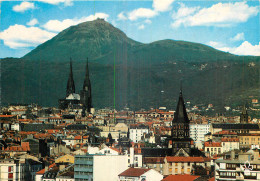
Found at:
[229, 144]
[11, 169]
[99, 167]
[137, 131]
[134, 160]
[197, 133]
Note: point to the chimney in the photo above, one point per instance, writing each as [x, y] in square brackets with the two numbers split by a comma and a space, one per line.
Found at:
[46, 167]
[139, 151]
[232, 154]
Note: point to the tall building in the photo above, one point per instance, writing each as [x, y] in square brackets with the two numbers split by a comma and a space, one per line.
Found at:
[77, 101]
[244, 116]
[181, 141]
[197, 133]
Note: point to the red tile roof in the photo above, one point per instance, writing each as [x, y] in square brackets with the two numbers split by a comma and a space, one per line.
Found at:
[77, 137]
[212, 179]
[115, 149]
[181, 177]
[230, 139]
[7, 116]
[25, 146]
[134, 172]
[212, 144]
[41, 172]
[186, 159]
[153, 160]
[225, 132]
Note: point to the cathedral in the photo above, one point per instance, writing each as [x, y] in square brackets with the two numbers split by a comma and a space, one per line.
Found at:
[77, 101]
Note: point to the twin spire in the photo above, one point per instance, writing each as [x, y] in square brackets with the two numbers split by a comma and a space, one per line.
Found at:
[71, 84]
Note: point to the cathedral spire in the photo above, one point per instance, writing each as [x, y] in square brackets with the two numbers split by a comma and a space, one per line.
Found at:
[86, 85]
[181, 115]
[70, 83]
[85, 94]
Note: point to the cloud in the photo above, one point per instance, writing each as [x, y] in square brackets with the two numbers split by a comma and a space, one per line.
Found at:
[245, 48]
[18, 36]
[219, 15]
[32, 22]
[184, 11]
[57, 26]
[215, 44]
[147, 21]
[121, 16]
[162, 5]
[238, 37]
[23, 7]
[56, 2]
[158, 6]
[141, 27]
[141, 13]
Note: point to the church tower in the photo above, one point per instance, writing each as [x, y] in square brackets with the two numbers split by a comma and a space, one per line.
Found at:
[70, 84]
[244, 116]
[85, 93]
[181, 142]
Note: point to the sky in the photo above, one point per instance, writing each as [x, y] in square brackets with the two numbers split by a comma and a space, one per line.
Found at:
[230, 26]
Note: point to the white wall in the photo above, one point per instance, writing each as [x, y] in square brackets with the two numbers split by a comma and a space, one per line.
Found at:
[153, 175]
[109, 167]
[38, 177]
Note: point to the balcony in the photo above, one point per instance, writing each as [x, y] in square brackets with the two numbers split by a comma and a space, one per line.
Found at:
[250, 177]
[84, 162]
[83, 169]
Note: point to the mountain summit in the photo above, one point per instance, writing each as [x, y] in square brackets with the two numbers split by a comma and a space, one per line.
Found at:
[93, 39]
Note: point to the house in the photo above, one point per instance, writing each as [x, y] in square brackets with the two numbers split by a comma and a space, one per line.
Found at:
[183, 165]
[140, 174]
[65, 159]
[156, 163]
[212, 148]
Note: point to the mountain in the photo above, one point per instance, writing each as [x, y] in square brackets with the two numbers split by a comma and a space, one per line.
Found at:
[95, 39]
[144, 75]
[101, 42]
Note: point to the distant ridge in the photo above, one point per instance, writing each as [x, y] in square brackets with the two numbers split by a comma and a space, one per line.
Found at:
[142, 71]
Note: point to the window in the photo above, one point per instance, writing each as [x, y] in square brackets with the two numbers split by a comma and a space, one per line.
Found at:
[10, 169]
[10, 175]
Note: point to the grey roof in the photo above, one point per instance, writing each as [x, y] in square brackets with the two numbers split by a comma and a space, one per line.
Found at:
[36, 127]
[235, 126]
[76, 127]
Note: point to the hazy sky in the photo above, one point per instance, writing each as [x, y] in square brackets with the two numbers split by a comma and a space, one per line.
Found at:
[231, 26]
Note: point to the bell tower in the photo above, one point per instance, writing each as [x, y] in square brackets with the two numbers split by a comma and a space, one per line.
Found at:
[181, 142]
